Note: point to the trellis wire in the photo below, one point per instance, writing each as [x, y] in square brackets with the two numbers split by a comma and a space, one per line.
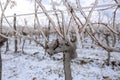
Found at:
[84, 8]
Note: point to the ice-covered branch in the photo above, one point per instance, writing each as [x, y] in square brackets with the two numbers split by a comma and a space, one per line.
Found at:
[51, 20]
[99, 43]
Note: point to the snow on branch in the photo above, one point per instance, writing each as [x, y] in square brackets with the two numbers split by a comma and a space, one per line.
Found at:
[51, 20]
[99, 43]
[108, 27]
[60, 45]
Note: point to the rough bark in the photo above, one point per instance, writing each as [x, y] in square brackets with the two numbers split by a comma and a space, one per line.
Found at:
[15, 41]
[69, 52]
[67, 66]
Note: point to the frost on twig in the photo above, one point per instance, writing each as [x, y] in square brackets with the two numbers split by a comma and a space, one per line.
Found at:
[99, 43]
[48, 16]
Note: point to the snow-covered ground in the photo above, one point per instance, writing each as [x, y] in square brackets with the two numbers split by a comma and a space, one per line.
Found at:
[35, 64]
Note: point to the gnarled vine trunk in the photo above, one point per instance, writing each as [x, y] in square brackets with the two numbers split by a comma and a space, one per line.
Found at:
[67, 66]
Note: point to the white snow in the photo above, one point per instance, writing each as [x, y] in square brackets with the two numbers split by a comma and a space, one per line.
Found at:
[35, 64]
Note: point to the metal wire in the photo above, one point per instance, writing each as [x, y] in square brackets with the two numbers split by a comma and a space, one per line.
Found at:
[84, 8]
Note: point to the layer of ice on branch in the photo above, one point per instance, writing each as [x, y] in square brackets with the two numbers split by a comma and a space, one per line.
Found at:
[56, 3]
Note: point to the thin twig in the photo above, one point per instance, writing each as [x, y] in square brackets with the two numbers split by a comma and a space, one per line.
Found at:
[51, 20]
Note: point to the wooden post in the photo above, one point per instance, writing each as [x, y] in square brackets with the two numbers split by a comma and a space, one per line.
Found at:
[7, 46]
[23, 45]
[1, 21]
[15, 41]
